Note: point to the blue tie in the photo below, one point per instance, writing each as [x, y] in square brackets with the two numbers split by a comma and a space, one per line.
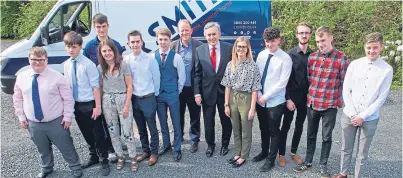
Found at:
[265, 71]
[74, 79]
[35, 99]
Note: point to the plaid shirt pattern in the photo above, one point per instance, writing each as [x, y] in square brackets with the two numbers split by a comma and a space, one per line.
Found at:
[326, 75]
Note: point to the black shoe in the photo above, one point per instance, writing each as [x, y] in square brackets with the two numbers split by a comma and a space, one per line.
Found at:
[267, 166]
[105, 169]
[224, 151]
[43, 174]
[237, 165]
[164, 150]
[89, 164]
[259, 157]
[324, 173]
[210, 151]
[232, 160]
[177, 156]
[194, 147]
[77, 173]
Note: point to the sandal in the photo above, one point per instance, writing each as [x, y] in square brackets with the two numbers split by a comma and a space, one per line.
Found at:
[134, 165]
[121, 163]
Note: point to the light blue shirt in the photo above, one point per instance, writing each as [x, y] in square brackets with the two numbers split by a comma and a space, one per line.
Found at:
[87, 77]
[186, 54]
[278, 73]
[145, 73]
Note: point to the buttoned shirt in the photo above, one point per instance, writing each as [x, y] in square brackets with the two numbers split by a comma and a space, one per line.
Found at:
[246, 76]
[278, 73]
[366, 87]
[298, 81]
[186, 53]
[145, 73]
[326, 73]
[178, 64]
[218, 54]
[56, 96]
[87, 77]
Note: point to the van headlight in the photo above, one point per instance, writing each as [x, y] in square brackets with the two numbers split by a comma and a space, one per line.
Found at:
[3, 61]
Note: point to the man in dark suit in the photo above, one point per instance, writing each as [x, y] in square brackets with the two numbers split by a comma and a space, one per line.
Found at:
[186, 47]
[210, 64]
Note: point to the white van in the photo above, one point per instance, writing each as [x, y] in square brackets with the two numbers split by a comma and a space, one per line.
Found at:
[237, 18]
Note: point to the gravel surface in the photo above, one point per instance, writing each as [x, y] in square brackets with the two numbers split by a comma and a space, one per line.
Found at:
[19, 157]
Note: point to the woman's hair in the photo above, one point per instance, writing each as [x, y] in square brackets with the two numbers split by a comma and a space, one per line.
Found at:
[235, 55]
[116, 59]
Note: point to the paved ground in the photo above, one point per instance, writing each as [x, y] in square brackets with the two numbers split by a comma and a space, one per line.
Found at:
[20, 159]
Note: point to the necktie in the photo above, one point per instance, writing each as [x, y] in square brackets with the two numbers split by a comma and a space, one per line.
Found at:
[163, 56]
[35, 99]
[213, 57]
[74, 79]
[265, 71]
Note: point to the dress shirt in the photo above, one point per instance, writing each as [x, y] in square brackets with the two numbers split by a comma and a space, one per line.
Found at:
[298, 81]
[87, 77]
[145, 73]
[186, 54]
[326, 75]
[55, 95]
[180, 68]
[278, 73]
[218, 55]
[366, 87]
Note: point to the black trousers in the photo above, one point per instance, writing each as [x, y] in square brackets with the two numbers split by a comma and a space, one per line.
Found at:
[209, 122]
[187, 99]
[91, 129]
[300, 104]
[263, 117]
[275, 114]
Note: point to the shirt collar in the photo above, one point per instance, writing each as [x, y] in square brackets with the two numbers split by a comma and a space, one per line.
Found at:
[189, 44]
[373, 62]
[77, 58]
[43, 73]
[217, 46]
[98, 41]
[329, 53]
[139, 56]
[166, 52]
[309, 50]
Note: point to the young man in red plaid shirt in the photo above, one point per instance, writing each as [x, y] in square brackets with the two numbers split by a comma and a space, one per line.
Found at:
[326, 70]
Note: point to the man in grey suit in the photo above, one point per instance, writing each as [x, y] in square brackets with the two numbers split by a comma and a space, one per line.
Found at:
[210, 64]
[186, 47]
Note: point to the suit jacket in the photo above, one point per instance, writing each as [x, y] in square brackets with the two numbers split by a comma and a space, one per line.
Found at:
[207, 82]
[195, 43]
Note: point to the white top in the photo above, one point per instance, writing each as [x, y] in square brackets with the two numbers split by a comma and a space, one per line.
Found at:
[277, 76]
[87, 77]
[366, 86]
[218, 55]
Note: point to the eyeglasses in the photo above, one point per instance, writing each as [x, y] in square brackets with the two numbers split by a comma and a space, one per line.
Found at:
[241, 47]
[38, 60]
[304, 33]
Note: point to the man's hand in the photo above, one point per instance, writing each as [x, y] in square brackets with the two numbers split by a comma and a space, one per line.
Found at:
[24, 124]
[198, 100]
[125, 112]
[357, 121]
[251, 114]
[290, 105]
[96, 112]
[261, 100]
[67, 124]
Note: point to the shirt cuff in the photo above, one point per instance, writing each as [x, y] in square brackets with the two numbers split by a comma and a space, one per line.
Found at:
[22, 118]
[67, 119]
[196, 95]
[363, 116]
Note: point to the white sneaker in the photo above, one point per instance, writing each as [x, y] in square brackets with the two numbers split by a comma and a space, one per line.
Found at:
[112, 157]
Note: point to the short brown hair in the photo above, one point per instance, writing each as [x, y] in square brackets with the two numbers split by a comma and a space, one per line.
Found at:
[304, 24]
[271, 33]
[164, 31]
[37, 51]
[374, 37]
[100, 18]
[135, 33]
[322, 30]
[73, 38]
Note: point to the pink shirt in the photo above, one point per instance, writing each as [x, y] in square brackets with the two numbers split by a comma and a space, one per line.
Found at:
[54, 92]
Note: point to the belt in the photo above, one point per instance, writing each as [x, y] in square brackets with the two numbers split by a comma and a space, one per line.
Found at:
[142, 97]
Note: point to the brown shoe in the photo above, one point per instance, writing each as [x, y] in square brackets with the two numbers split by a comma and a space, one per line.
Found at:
[297, 158]
[142, 157]
[281, 161]
[339, 176]
[153, 159]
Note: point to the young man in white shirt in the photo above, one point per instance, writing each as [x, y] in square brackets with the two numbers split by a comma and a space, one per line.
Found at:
[365, 89]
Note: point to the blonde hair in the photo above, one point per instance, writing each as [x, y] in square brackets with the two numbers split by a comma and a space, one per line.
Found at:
[235, 55]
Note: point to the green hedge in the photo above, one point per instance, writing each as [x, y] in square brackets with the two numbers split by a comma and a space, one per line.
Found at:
[9, 14]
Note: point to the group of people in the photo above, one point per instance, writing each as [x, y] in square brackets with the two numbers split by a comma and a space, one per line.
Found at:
[104, 92]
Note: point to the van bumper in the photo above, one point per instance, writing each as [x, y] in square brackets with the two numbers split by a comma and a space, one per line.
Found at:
[7, 84]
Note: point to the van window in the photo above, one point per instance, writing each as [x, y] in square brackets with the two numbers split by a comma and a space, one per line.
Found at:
[70, 17]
